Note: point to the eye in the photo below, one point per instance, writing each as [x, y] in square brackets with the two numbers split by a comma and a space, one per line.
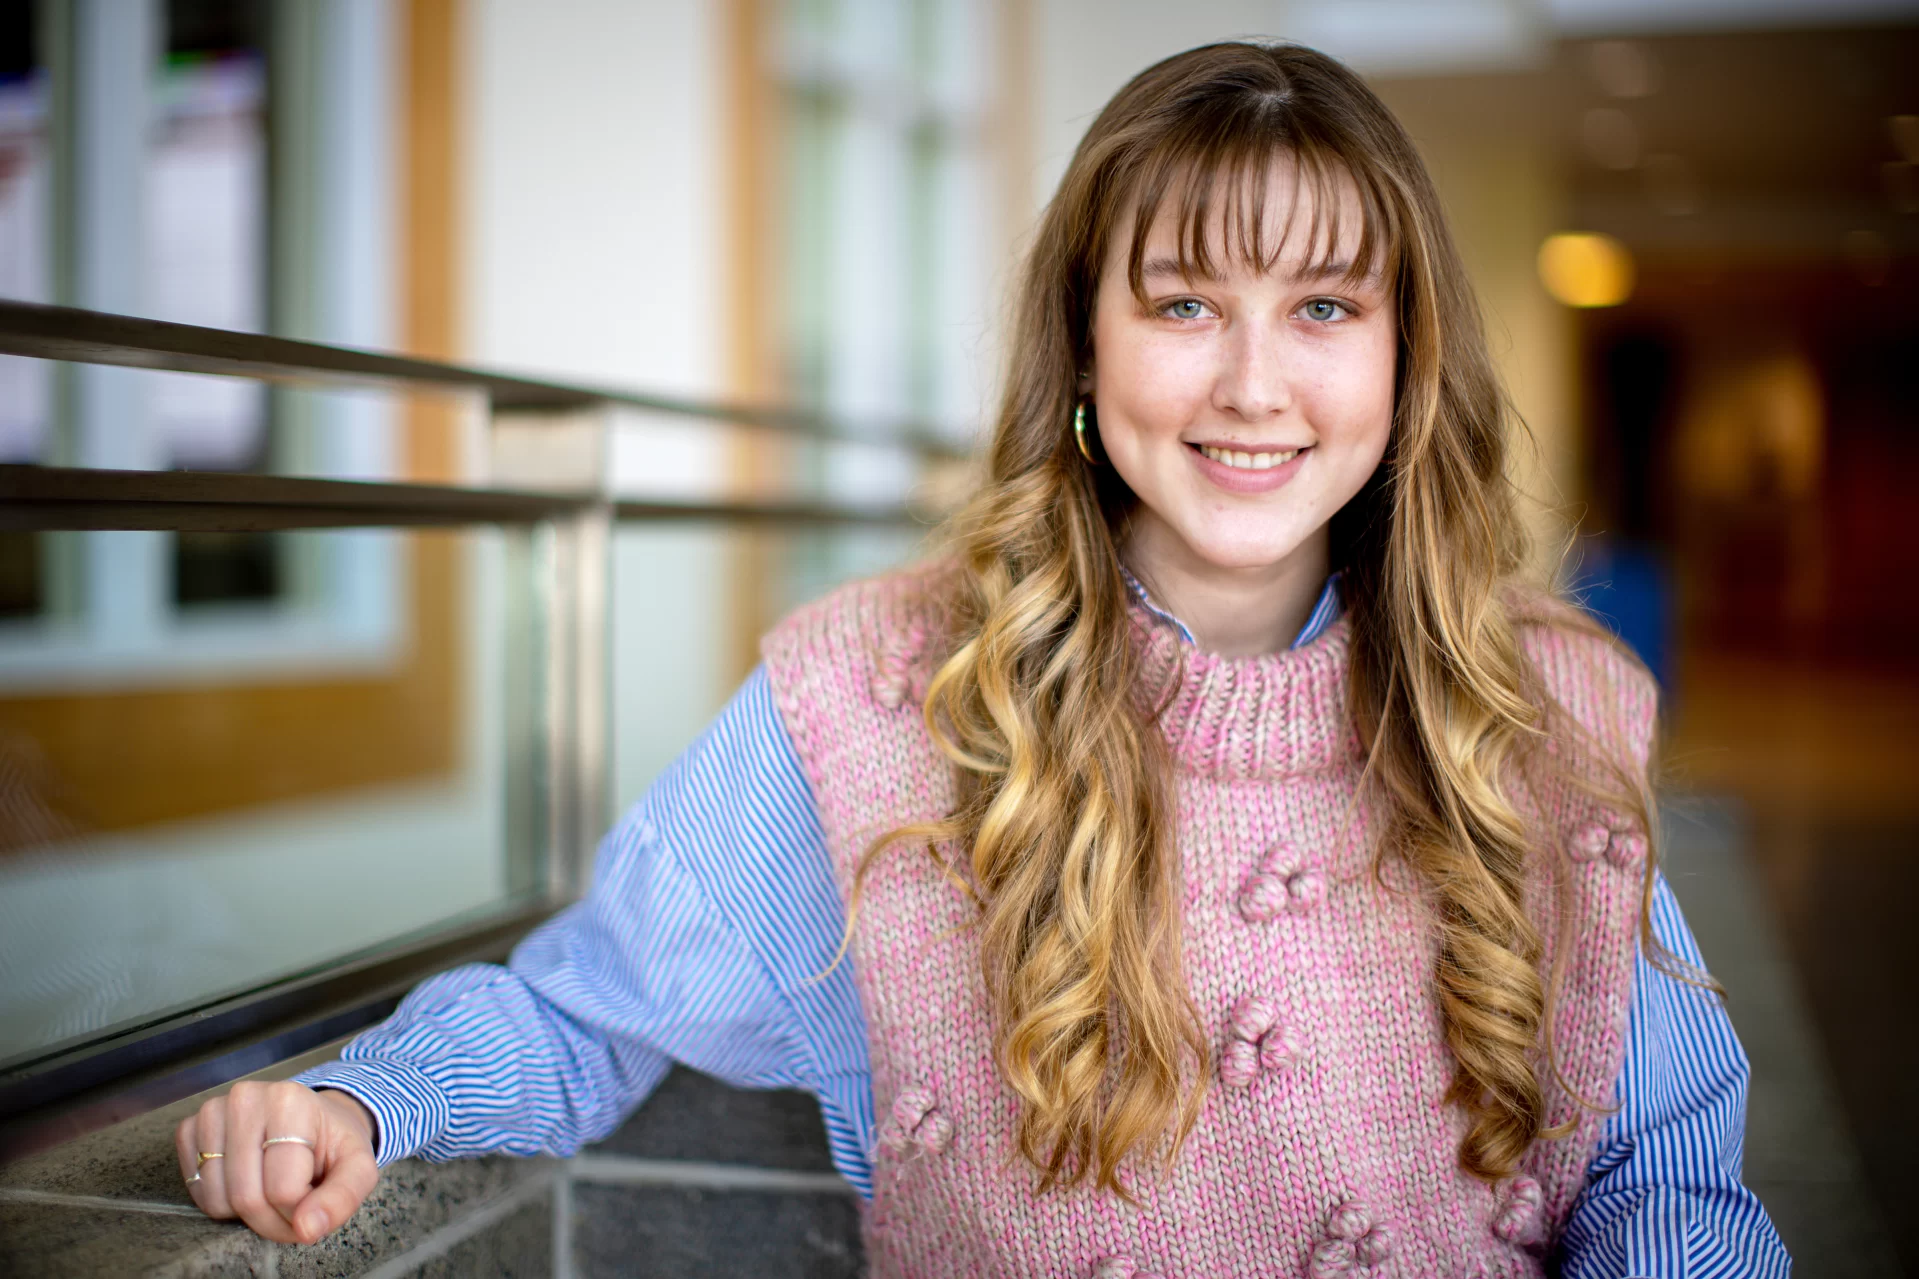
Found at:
[1184, 309]
[1325, 310]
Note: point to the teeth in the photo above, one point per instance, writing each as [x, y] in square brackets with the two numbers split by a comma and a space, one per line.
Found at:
[1247, 461]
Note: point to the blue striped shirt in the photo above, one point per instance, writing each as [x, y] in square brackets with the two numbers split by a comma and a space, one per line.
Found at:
[712, 911]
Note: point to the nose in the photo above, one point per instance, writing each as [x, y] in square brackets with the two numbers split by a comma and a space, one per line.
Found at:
[1254, 381]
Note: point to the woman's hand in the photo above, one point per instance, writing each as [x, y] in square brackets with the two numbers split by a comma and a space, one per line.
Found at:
[291, 1191]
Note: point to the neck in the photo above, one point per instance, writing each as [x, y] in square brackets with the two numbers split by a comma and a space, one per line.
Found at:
[1234, 612]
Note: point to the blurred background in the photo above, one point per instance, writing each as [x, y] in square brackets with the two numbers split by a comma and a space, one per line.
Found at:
[1695, 229]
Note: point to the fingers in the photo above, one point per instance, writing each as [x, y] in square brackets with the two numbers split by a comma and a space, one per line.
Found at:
[244, 1171]
[288, 1168]
[349, 1181]
[186, 1146]
[183, 1147]
[201, 1135]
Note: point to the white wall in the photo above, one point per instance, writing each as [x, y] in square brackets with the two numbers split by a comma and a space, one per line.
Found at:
[595, 199]
[595, 219]
[1084, 50]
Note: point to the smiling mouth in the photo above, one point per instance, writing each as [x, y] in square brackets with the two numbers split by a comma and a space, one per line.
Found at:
[1243, 461]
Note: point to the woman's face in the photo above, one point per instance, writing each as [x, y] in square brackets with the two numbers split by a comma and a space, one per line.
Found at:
[1242, 411]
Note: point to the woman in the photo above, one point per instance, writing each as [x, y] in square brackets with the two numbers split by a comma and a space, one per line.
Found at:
[1238, 870]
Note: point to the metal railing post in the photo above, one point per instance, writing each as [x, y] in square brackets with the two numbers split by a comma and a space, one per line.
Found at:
[566, 451]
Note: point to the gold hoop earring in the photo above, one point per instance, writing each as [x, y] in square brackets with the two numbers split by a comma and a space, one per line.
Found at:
[1079, 433]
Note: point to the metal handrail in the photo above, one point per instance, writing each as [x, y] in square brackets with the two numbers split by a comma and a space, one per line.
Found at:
[42, 498]
[55, 497]
[99, 337]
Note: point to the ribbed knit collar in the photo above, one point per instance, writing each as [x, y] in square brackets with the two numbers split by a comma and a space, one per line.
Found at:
[1326, 609]
[1249, 718]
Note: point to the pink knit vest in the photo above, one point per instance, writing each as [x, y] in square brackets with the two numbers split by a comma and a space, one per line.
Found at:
[1324, 1147]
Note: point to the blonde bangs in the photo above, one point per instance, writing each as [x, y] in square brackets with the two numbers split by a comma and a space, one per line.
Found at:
[1215, 184]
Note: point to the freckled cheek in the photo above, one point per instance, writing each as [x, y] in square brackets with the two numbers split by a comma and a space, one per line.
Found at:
[1350, 403]
[1350, 416]
[1151, 391]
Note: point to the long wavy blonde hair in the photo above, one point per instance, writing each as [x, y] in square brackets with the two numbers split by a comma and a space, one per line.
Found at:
[1066, 815]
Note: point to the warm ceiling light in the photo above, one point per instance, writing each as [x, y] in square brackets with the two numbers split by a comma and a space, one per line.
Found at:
[1585, 269]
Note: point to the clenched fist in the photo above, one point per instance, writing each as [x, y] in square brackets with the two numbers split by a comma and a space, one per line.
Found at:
[291, 1163]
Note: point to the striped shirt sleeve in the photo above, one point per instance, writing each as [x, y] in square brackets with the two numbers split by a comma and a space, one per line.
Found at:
[1663, 1195]
[711, 911]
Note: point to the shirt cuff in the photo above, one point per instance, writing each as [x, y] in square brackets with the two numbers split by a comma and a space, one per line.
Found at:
[409, 1110]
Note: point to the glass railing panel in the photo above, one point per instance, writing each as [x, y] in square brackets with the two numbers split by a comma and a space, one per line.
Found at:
[675, 646]
[689, 603]
[199, 797]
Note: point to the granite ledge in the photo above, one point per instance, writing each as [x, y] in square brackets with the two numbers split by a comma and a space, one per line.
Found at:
[134, 1163]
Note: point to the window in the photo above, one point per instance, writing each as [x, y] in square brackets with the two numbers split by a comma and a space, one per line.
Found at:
[204, 251]
[25, 385]
[890, 167]
[224, 163]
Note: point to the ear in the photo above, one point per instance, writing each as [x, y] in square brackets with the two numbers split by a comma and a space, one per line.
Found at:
[1084, 386]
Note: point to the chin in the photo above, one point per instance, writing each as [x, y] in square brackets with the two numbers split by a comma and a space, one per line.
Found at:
[1238, 555]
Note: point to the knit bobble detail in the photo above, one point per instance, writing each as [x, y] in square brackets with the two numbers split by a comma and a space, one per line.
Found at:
[1589, 841]
[1121, 1268]
[1279, 885]
[1238, 1064]
[1257, 1041]
[1349, 1221]
[1375, 1245]
[918, 1123]
[893, 670]
[1304, 890]
[1279, 1048]
[1354, 1239]
[1253, 1016]
[1263, 897]
[1519, 1211]
[1627, 849]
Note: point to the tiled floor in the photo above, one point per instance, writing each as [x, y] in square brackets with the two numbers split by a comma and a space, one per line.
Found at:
[1825, 848]
[1811, 1065]
[1844, 892]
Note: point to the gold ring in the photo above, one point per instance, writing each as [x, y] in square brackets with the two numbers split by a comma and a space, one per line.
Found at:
[195, 1177]
[209, 1154]
[274, 1141]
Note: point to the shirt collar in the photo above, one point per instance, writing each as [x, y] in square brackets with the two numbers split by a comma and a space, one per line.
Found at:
[1325, 612]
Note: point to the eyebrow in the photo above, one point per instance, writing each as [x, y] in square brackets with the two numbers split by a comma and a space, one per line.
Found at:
[1169, 268]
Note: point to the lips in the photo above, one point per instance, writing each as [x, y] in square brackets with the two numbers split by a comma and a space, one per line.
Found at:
[1245, 460]
[1248, 471]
